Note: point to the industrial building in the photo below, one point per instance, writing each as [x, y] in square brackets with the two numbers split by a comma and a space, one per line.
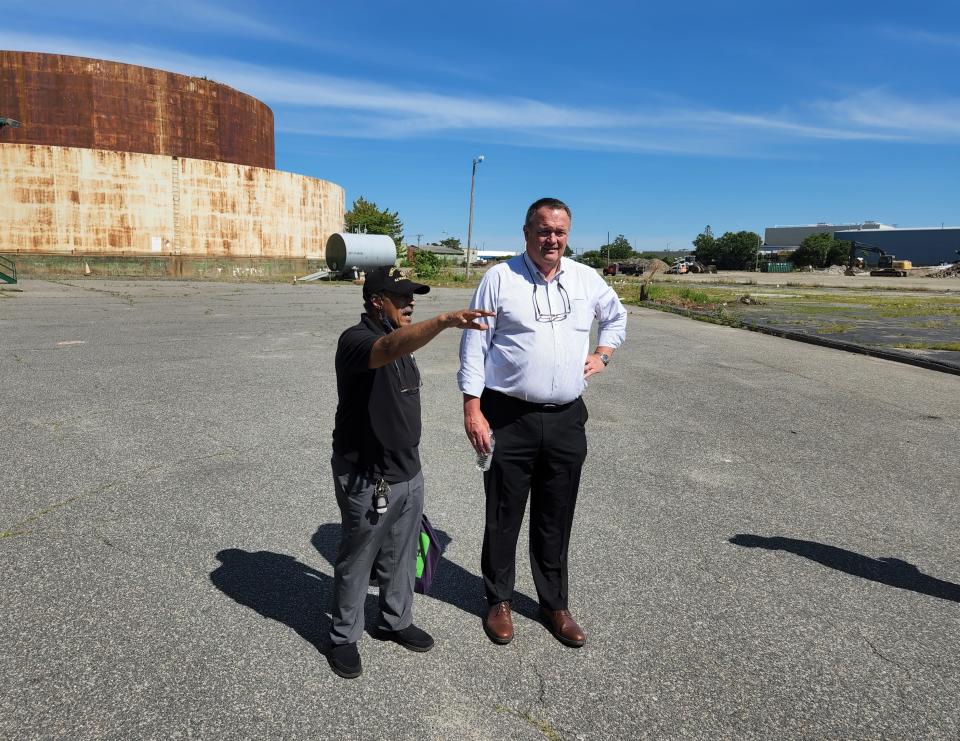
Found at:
[789, 237]
[117, 159]
[922, 246]
[447, 255]
[929, 246]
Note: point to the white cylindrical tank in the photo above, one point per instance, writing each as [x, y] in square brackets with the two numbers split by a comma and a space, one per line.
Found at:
[362, 251]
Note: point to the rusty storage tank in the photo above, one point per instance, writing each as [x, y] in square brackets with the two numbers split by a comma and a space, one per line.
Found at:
[96, 104]
[346, 251]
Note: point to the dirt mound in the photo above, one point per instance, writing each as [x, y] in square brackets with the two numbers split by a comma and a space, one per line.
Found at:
[654, 266]
[951, 272]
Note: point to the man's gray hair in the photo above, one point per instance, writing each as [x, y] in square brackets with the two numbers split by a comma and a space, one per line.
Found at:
[551, 203]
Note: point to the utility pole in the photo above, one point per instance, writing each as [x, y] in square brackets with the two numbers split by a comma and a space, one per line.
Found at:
[418, 240]
[473, 177]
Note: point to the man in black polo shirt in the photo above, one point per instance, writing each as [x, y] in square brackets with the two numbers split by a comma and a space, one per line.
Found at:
[376, 463]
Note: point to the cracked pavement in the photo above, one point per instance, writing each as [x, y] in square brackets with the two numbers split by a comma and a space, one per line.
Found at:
[765, 541]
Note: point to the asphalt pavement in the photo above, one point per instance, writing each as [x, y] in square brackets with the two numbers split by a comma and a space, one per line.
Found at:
[765, 543]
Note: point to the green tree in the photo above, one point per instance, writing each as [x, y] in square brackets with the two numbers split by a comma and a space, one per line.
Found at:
[737, 250]
[365, 217]
[451, 242]
[426, 264]
[568, 252]
[811, 253]
[618, 249]
[839, 253]
[705, 247]
[820, 251]
[593, 258]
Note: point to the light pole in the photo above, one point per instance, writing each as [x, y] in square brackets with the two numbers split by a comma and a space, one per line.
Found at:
[473, 177]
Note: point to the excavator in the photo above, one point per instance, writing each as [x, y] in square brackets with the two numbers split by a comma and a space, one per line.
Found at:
[887, 265]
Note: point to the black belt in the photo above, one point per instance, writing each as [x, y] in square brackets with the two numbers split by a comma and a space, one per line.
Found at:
[531, 406]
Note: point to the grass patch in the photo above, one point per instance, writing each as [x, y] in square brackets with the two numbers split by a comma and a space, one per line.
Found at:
[834, 328]
[930, 308]
[680, 295]
[447, 278]
[952, 346]
[687, 297]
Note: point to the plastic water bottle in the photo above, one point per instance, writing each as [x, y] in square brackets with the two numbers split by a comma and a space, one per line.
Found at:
[485, 459]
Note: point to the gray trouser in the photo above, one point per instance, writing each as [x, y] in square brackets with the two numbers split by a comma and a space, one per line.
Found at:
[386, 544]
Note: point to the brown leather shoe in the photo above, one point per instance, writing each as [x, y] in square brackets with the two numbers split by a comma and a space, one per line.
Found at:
[564, 627]
[499, 623]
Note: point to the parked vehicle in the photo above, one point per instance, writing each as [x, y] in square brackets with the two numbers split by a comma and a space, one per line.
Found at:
[626, 268]
[679, 267]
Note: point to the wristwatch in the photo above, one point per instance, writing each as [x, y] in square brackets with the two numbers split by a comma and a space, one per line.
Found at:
[604, 357]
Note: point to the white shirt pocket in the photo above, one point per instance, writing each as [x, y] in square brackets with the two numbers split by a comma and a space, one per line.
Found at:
[582, 314]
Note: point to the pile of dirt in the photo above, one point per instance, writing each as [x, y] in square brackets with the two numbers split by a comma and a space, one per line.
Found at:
[952, 272]
[653, 266]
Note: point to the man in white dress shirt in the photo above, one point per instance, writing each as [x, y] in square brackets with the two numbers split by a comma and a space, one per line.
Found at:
[522, 380]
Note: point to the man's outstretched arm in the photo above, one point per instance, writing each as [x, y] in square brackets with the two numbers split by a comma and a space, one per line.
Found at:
[409, 339]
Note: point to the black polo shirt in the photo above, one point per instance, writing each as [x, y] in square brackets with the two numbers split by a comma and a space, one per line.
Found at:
[377, 427]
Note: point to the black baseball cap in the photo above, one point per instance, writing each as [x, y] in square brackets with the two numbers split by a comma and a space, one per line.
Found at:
[390, 278]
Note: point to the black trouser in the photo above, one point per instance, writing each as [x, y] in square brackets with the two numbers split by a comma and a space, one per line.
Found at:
[539, 451]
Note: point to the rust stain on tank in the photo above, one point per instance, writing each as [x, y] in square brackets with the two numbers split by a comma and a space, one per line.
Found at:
[61, 199]
[95, 104]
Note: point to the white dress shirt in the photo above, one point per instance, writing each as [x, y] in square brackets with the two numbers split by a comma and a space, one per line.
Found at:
[538, 341]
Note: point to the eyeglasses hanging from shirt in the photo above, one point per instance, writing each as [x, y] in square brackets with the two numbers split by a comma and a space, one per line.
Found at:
[549, 315]
[410, 381]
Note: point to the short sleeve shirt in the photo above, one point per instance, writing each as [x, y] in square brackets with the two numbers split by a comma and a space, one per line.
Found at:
[377, 425]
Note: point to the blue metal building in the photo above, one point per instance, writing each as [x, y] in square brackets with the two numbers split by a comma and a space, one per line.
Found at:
[929, 246]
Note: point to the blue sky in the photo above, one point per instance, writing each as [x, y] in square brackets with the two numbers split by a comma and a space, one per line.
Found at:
[649, 119]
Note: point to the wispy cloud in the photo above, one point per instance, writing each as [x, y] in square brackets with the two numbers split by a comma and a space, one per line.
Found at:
[920, 36]
[211, 19]
[881, 111]
[220, 20]
[228, 21]
[331, 106]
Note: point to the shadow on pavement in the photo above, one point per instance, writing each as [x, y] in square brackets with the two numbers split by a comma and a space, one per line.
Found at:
[281, 588]
[890, 571]
[452, 583]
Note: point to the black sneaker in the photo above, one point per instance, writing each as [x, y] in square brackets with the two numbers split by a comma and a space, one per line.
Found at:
[345, 660]
[410, 637]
